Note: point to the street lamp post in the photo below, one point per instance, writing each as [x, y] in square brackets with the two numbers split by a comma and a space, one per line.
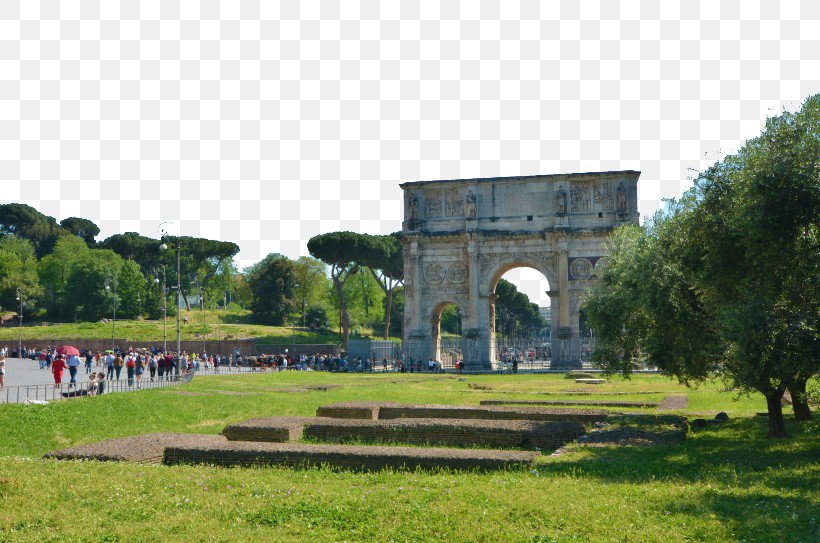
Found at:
[202, 312]
[164, 313]
[20, 345]
[293, 329]
[113, 309]
[163, 246]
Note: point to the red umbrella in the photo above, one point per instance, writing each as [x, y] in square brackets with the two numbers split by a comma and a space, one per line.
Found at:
[68, 350]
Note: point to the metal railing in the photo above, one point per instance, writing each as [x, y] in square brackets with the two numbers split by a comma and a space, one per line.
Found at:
[49, 393]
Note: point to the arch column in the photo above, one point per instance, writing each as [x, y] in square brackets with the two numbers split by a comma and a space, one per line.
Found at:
[554, 305]
[476, 334]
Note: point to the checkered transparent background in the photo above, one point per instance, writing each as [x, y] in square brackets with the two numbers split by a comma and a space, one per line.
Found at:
[267, 122]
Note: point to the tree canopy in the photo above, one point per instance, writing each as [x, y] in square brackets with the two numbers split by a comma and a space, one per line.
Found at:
[726, 280]
[26, 222]
[82, 228]
[338, 250]
[272, 283]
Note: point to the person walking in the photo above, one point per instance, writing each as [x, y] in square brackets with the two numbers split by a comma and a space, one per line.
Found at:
[89, 359]
[2, 371]
[109, 365]
[130, 366]
[57, 368]
[139, 368]
[152, 366]
[73, 367]
[118, 362]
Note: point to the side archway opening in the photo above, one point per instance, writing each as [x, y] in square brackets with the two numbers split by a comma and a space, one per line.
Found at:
[446, 329]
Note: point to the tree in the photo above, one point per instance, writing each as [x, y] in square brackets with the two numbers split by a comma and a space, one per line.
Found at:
[515, 314]
[644, 307]
[758, 214]
[86, 295]
[272, 284]
[18, 273]
[365, 290]
[311, 279]
[55, 268]
[26, 222]
[131, 289]
[451, 320]
[383, 257]
[338, 250]
[82, 228]
[242, 293]
[316, 317]
[726, 280]
[200, 259]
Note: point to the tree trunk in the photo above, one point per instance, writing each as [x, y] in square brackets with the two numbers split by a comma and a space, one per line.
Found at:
[184, 296]
[345, 318]
[777, 427]
[389, 310]
[800, 400]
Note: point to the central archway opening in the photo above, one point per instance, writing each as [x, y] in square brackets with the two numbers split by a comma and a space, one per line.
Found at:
[521, 319]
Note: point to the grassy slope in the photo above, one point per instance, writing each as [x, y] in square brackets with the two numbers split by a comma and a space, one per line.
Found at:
[218, 325]
[725, 483]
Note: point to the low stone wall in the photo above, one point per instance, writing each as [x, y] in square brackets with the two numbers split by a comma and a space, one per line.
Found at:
[365, 458]
[491, 413]
[350, 410]
[467, 433]
[505, 434]
[275, 430]
[596, 403]
[376, 410]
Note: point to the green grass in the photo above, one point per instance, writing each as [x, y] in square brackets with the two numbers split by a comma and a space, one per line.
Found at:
[218, 325]
[724, 483]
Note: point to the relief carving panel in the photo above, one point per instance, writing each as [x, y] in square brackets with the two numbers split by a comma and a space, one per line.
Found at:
[581, 197]
[446, 277]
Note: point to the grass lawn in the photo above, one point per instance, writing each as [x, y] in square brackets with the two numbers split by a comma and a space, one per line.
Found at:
[724, 483]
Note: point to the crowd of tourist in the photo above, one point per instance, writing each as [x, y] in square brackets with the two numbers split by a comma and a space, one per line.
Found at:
[139, 364]
[152, 364]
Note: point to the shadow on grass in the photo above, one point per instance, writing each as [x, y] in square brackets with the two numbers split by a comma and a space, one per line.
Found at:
[232, 318]
[733, 451]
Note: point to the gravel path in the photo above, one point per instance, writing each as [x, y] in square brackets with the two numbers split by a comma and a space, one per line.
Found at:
[144, 448]
[674, 402]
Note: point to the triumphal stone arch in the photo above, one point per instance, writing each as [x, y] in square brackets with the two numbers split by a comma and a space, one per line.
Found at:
[462, 235]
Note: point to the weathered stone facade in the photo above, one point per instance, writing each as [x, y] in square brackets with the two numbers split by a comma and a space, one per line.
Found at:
[461, 236]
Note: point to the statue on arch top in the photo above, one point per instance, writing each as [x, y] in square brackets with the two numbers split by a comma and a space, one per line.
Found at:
[471, 207]
[414, 206]
[560, 201]
[620, 199]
